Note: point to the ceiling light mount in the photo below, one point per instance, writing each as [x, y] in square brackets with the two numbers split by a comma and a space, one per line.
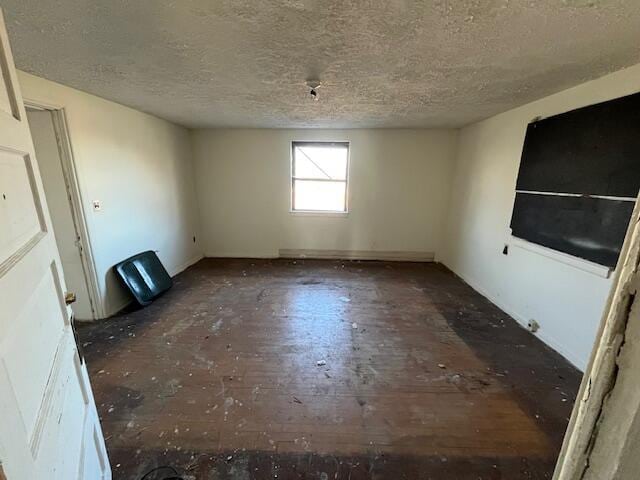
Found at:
[314, 85]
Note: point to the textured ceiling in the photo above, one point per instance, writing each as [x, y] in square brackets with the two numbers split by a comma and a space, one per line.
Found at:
[382, 63]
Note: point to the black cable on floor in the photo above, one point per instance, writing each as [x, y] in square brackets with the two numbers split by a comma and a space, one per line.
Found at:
[174, 473]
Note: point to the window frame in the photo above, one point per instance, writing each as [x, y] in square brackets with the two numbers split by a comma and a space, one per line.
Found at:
[292, 204]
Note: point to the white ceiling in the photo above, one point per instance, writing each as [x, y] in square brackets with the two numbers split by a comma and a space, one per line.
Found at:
[382, 63]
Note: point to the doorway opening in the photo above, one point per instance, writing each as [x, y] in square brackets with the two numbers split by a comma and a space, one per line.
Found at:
[55, 159]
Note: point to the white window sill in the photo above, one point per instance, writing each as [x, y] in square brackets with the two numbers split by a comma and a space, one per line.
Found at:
[575, 262]
[317, 213]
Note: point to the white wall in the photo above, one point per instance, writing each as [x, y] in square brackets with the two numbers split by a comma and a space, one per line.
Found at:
[139, 167]
[565, 300]
[398, 192]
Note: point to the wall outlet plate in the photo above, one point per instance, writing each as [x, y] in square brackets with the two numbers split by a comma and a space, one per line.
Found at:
[97, 205]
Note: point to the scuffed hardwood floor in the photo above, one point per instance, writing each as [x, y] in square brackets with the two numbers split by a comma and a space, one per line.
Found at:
[420, 377]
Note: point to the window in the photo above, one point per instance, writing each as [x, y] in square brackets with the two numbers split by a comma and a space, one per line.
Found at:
[319, 176]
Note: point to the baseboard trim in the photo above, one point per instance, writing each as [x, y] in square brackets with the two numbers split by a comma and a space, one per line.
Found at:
[110, 312]
[183, 266]
[389, 256]
[240, 255]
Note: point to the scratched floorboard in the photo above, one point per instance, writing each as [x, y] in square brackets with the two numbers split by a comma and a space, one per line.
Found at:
[424, 378]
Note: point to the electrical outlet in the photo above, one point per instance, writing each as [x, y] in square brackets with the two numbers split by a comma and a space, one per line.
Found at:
[97, 205]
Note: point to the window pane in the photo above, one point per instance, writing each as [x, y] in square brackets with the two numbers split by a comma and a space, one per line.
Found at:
[325, 196]
[326, 162]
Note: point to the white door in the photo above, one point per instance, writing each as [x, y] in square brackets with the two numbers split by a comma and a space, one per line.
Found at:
[49, 427]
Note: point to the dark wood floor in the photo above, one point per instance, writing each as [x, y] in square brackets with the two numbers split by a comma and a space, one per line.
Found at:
[224, 377]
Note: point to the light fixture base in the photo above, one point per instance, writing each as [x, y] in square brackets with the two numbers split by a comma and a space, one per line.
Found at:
[313, 85]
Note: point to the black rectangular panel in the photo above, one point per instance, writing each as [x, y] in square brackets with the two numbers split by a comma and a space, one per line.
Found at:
[589, 228]
[144, 276]
[593, 150]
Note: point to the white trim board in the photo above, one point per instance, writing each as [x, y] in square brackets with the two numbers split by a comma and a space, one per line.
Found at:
[111, 311]
[391, 256]
[257, 256]
[575, 262]
[577, 195]
[182, 267]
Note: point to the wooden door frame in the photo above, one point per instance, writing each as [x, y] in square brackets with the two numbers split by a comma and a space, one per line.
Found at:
[78, 214]
[590, 417]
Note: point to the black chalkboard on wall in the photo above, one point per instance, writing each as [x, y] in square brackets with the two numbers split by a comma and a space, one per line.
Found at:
[587, 227]
[578, 179]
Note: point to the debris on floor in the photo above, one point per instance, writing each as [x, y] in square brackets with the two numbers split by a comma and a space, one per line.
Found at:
[255, 386]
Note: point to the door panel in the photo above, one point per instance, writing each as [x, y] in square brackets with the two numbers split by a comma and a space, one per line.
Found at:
[92, 462]
[40, 337]
[5, 100]
[46, 403]
[9, 96]
[62, 433]
[20, 213]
